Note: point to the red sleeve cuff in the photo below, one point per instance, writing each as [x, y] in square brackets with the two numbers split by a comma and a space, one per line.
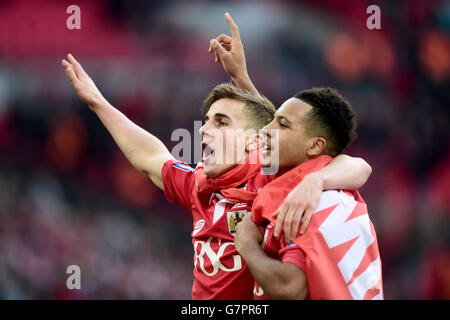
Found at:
[294, 255]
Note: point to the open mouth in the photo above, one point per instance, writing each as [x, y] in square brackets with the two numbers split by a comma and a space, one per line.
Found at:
[264, 145]
[266, 150]
[265, 142]
[207, 152]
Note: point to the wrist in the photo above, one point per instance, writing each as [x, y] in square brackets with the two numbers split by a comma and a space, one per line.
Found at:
[319, 178]
[248, 246]
[241, 79]
[98, 103]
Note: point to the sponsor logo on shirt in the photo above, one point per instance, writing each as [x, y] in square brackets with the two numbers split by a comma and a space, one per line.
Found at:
[214, 257]
[198, 226]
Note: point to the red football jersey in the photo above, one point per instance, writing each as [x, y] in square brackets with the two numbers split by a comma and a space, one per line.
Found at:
[278, 249]
[338, 252]
[219, 271]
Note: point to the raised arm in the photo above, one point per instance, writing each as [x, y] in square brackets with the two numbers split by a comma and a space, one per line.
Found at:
[229, 51]
[145, 152]
[343, 172]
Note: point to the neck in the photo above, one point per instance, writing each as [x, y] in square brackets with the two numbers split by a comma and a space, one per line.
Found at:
[283, 170]
[226, 168]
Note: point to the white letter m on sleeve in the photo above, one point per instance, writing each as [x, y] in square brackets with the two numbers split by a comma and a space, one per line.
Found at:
[336, 230]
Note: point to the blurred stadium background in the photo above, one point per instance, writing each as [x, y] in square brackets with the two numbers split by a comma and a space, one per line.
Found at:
[68, 195]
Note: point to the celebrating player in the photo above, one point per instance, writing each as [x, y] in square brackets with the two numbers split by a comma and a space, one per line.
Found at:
[303, 200]
[284, 279]
[217, 194]
[338, 256]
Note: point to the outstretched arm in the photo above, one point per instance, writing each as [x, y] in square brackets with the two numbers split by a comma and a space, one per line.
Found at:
[343, 172]
[229, 51]
[145, 152]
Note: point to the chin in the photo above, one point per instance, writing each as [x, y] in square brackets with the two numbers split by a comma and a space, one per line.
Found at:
[215, 170]
[210, 171]
[265, 163]
[271, 166]
[267, 159]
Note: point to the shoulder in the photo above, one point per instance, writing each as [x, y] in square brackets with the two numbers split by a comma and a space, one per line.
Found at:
[179, 165]
[330, 198]
[179, 181]
[256, 183]
[173, 168]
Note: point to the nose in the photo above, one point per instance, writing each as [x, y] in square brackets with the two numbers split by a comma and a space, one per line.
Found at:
[268, 133]
[205, 130]
[263, 131]
[202, 128]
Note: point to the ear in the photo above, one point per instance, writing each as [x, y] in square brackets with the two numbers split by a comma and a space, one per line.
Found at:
[317, 146]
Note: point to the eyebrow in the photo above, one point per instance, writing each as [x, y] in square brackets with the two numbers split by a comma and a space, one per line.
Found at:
[221, 115]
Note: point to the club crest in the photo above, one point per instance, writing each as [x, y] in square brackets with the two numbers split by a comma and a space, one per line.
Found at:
[233, 218]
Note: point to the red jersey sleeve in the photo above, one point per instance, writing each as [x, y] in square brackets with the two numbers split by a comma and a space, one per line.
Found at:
[290, 252]
[179, 182]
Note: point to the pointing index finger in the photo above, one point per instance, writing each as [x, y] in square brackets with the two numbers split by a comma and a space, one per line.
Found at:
[233, 27]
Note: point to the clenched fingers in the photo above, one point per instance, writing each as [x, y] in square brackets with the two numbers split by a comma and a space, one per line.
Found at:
[218, 49]
[225, 39]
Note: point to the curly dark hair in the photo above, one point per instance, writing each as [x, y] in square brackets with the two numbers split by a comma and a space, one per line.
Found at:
[331, 117]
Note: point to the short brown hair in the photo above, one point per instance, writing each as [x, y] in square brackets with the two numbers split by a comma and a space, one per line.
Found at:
[258, 109]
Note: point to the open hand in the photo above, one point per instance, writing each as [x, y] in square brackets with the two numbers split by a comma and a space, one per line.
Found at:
[85, 88]
[300, 204]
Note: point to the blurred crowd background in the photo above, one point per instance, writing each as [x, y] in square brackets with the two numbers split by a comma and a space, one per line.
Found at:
[68, 195]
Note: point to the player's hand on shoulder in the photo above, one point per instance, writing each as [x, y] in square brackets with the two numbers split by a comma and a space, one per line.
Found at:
[300, 204]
